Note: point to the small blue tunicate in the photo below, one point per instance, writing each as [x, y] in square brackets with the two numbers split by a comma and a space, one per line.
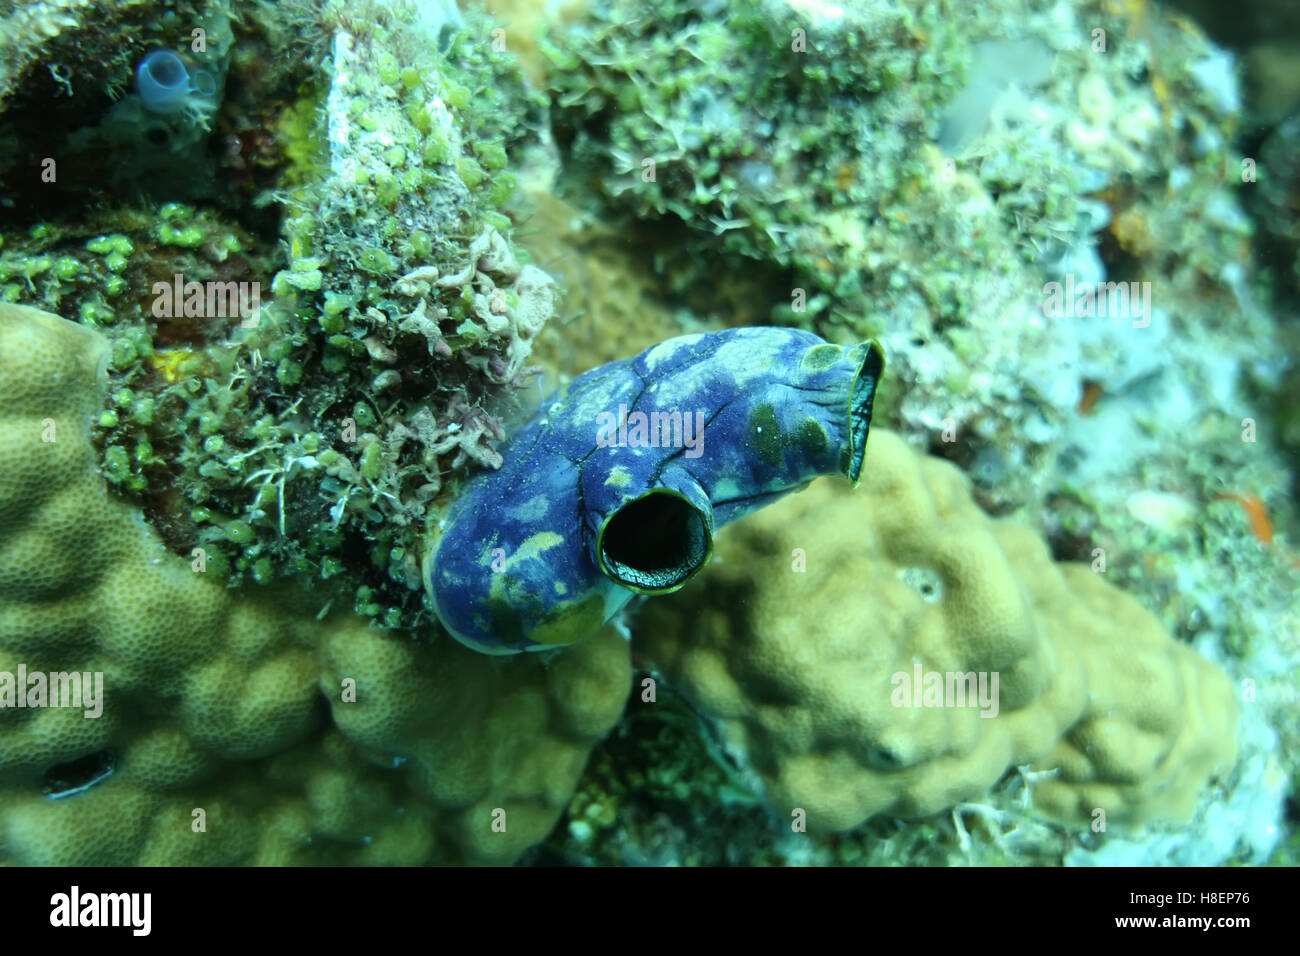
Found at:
[165, 84]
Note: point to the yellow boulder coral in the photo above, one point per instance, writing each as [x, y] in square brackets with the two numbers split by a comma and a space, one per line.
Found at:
[234, 729]
[892, 649]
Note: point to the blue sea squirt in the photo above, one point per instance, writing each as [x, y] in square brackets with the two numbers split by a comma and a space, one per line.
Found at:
[617, 487]
[166, 86]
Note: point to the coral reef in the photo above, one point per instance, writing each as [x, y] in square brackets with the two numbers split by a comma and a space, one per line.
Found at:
[320, 295]
[885, 172]
[611, 307]
[242, 729]
[294, 396]
[1031, 143]
[402, 316]
[1266, 34]
[71, 95]
[911, 579]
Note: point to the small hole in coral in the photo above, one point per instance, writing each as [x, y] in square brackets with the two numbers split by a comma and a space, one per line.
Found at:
[924, 582]
[882, 758]
[76, 776]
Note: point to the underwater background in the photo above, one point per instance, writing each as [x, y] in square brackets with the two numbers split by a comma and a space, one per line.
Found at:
[297, 483]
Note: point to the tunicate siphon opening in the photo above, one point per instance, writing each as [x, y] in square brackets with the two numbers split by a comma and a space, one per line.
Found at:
[860, 402]
[656, 543]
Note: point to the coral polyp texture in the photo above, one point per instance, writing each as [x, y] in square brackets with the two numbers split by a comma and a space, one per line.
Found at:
[241, 729]
[947, 648]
